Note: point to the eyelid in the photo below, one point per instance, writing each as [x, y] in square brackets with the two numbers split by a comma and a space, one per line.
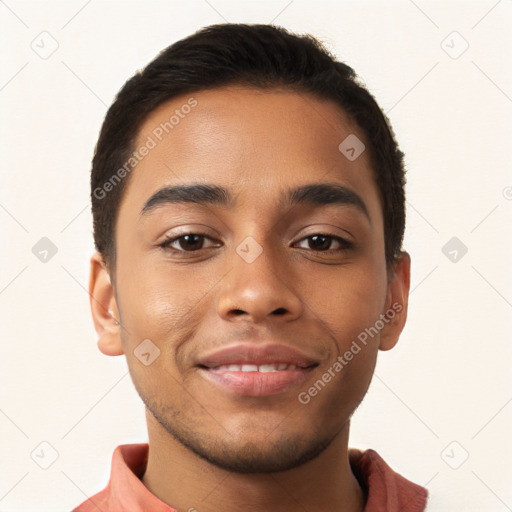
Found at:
[186, 229]
[331, 230]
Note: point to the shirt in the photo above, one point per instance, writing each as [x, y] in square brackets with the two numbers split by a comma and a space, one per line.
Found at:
[385, 490]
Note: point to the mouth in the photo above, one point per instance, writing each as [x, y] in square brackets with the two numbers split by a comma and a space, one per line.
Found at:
[262, 368]
[256, 370]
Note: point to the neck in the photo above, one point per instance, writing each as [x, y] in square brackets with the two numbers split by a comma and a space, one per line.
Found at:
[185, 481]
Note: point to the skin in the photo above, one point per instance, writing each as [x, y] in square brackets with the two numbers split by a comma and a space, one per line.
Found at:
[268, 453]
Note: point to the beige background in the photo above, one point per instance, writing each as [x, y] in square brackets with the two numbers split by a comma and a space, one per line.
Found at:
[444, 392]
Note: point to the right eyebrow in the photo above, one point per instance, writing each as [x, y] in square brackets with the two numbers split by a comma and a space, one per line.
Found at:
[194, 193]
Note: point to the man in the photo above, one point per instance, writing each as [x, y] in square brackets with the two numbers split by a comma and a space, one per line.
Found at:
[248, 204]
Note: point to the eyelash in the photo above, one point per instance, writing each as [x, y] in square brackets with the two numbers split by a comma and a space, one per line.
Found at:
[345, 244]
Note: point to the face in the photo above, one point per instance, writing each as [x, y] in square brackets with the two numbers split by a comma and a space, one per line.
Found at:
[253, 280]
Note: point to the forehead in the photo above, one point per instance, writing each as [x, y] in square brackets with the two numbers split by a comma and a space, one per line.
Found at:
[254, 142]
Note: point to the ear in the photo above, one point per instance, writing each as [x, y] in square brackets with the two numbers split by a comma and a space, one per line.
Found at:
[104, 309]
[397, 299]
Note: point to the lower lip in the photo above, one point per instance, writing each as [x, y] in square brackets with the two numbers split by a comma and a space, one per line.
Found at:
[256, 383]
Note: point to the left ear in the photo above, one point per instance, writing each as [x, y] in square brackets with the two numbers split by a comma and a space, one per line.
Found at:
[397, 300]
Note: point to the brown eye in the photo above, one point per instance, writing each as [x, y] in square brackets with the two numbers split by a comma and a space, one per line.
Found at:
[322, 243]
[189, 242]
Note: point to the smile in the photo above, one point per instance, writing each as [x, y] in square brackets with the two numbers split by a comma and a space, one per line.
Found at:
[262, 368]
[256, 369]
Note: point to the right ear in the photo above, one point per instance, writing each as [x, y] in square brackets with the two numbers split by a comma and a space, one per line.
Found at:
[105, 313]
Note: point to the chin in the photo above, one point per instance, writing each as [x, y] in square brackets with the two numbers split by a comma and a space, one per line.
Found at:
[251, 457]
[250, 451]
[249, 444]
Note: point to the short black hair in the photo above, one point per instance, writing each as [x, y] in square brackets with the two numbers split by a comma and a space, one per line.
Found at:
[254, 55]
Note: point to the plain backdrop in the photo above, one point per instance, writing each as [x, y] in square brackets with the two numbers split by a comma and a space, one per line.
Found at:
[439, 408]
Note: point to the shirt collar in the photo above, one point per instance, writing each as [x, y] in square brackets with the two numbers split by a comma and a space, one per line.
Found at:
[385, 490]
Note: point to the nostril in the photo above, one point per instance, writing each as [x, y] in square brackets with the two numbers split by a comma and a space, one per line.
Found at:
[279, 311]
[238, 311]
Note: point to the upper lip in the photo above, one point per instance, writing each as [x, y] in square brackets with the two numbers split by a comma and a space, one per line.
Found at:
[249, 353]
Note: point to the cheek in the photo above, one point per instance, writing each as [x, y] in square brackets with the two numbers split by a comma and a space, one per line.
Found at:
[160, 305]
[346, 302]
[166, 310]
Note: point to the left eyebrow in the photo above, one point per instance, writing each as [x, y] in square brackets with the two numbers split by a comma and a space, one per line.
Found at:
[317, 194]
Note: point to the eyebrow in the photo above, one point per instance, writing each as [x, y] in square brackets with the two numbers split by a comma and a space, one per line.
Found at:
[317, 194]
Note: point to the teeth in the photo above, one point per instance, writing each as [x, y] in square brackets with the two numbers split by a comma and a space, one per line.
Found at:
[268, 367]
[249, 368]
[263, 368]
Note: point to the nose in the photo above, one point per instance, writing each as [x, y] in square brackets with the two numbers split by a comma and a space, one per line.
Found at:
[258, 291]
